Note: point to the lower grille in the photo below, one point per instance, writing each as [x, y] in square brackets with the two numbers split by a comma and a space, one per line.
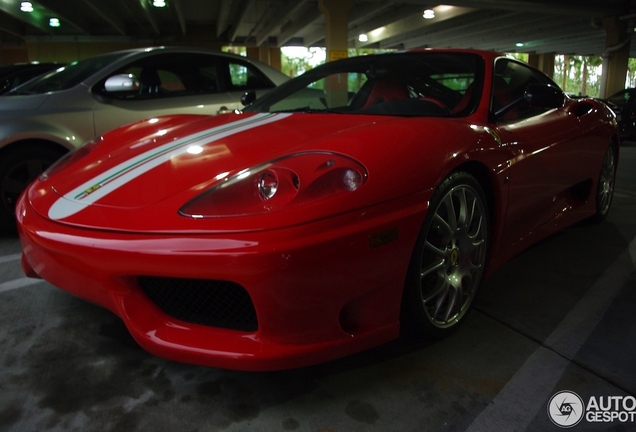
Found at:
[207, 302]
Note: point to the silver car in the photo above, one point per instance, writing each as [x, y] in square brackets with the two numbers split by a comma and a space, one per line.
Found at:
[47, 117]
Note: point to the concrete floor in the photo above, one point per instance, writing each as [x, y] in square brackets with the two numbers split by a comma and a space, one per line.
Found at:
[558, 317]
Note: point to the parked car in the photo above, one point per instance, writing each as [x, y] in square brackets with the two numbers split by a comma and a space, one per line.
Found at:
[13, 75]
[45, 118]
[366, 196]
[623, 103]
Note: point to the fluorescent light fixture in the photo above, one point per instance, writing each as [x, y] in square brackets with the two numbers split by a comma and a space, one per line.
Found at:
[429, 14]
[363, 38]
[54, 22]
[519, 44]
[159, 3]
[26, 6]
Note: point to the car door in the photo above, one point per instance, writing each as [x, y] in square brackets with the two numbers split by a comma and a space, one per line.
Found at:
[543, 144]
[173, 83]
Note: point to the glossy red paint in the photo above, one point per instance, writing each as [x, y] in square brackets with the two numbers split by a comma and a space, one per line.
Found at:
[325, 269]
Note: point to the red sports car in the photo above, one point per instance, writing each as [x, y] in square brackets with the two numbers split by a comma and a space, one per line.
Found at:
[369, 195]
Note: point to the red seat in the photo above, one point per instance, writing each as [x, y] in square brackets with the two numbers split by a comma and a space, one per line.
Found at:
[386, 90]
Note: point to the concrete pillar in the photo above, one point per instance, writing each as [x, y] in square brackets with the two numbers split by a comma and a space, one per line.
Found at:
[615, 57]
[275, 60]
[269, 55]
[337, 44]
[543, 62]
[253, 53]
[336, 27]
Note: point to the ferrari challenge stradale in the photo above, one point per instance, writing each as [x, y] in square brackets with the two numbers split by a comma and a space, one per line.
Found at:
[368, 196]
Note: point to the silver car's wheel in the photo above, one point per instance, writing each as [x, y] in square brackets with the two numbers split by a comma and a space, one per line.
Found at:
[449, 258]
[606, 180]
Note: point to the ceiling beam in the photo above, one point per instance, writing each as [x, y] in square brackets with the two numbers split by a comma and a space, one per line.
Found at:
[146, 7]
[108, 15]
[582, 8]
[305, 18]
[414, 22]
[249, 4]
[178, 7]
[390, 15]
[223, 20]
[278, 13]
[38, 19]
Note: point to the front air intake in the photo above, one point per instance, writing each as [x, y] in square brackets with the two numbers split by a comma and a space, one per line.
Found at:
[211, 303]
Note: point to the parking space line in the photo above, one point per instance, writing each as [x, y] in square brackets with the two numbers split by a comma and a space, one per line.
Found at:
[522, 398]
[18, 283]
[8, 258]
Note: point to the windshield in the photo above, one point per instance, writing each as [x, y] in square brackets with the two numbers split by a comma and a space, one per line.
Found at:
[398, 84]
[68, 76]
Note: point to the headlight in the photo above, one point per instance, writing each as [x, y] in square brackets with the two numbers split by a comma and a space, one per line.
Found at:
[294, 180]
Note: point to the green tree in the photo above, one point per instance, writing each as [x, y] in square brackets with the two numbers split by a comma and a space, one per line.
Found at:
[294, 66]
[579, 75]
[630, 80]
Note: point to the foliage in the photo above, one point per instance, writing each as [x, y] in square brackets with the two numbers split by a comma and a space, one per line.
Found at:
[631, 73]
[295, 63]
[579, 75]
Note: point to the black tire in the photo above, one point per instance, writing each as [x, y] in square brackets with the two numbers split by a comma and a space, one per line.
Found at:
[18, 168]
[606, 184]
[449, 259]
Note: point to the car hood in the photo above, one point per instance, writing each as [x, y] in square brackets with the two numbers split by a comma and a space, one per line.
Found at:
[139, 176]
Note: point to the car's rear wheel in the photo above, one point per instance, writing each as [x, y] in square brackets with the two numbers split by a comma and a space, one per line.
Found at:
[606, 183]
[448, 262]
[18, 168]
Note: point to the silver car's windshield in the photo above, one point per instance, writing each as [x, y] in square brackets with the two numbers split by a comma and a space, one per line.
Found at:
[399, 84]
[68, 76]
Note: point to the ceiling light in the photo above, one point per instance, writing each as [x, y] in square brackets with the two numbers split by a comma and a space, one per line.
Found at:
[363, 38]
[429, 14]
[159, 3]
[26, 7]
[519, 44]
[54, 22]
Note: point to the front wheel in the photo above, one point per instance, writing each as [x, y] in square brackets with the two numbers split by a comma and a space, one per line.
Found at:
[449, 258]
[606, 182]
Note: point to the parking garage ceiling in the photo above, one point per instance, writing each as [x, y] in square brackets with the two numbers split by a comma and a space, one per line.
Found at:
[537, 26]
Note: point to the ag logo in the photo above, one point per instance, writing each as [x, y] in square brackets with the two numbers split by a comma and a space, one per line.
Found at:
[565, 409]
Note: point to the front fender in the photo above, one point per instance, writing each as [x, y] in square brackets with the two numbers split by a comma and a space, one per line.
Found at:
[28, 129]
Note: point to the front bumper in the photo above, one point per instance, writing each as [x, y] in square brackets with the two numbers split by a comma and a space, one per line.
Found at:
[320, 291]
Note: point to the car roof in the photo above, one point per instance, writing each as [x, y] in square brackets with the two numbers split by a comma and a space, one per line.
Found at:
[123, 57]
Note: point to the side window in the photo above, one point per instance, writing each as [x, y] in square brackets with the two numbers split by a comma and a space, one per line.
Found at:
[510, 81]
[244, 76]
[171, 75]
[170, 82]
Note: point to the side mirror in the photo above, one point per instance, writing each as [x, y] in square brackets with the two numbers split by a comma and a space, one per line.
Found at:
[248, 97]
[122, 83]
[544, 96]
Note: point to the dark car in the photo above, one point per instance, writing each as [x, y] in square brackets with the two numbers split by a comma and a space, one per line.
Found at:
[12, 75]
[624, 105]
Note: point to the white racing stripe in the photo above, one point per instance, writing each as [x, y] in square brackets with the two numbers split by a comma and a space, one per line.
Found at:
[112, 179]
